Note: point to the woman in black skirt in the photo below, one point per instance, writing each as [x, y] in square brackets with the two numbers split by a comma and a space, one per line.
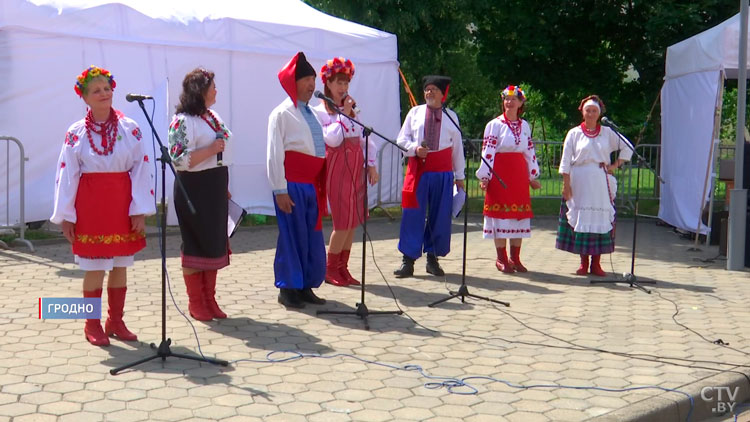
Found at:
[196, 135]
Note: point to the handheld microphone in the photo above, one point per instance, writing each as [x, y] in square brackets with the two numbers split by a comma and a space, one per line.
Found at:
[610, 123]
[424, 145]
[137, 97]
[220, 154]
[354, 105]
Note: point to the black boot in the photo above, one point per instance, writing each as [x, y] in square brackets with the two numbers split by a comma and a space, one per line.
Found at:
[290, 298]
[407, 268]
[433, 266]
[307, 295]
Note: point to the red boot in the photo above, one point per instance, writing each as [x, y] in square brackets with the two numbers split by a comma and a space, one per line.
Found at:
[196, 299]
[344, 268]
[333, 274]
[596, 268]
[114, 325]
[209, 289]
[515, 259]
[583, 269]
[93, 330]
[502, 263]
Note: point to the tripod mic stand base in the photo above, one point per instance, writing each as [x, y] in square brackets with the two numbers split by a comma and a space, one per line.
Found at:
[361, 312]
[628, 278]
[163, 352]
[462, 293]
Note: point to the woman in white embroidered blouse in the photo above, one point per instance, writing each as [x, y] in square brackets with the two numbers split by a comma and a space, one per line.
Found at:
[103, 191]
[587, 212]
[197, 138]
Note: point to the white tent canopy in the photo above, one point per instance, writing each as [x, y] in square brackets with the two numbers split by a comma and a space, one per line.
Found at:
[149, 46]
[690, 100]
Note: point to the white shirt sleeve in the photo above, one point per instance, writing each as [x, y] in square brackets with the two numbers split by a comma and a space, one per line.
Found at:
[567, 153]
[623, 145]
[181, 141]
[489, 146]
[141, 178]
[530, 153]
[405, 138]
[66, 181]
[275, 154]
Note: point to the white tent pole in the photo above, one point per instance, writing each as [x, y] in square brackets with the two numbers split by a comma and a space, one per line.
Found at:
[717, 141]
[708, 175]
[738, 206]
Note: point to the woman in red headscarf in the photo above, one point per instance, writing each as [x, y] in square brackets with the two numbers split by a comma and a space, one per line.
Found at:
[345, 161]
[508, 148]
[103, 191]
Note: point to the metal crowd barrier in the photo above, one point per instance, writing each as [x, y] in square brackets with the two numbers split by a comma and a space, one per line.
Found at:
[22, 200]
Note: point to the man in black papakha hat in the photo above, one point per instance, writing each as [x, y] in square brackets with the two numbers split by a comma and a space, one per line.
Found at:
[436, 161]
[296, 172]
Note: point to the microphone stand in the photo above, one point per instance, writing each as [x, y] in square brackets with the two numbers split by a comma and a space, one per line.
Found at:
[163, 351]
[463, 291]
[630, 277]
[361, 308]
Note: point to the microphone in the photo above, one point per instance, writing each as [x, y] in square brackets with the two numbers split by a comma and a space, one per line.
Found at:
[220, 154]
[137, 97]
[610, 123]
[354, 105]
[424, 145]
[322, 96]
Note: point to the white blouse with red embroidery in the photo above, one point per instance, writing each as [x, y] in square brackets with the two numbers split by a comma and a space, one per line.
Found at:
[128, 155]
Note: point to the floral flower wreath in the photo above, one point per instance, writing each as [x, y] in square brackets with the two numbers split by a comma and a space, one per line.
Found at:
[337, 65]
[87, 75]
[512, 90]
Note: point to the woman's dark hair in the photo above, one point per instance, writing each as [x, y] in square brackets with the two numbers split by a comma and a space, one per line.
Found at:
[597, 100]
[328, 92]
[194, 86]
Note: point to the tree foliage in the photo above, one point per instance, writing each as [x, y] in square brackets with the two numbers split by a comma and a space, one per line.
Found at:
[560, 50]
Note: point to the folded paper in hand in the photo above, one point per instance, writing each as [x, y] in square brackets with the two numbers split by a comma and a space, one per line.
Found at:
[236, 214]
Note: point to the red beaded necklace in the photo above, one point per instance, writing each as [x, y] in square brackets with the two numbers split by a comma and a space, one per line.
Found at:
[589, 132]
[515, 128]
[107, 130]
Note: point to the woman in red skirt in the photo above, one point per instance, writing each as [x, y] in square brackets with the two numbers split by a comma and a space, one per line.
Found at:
[508, 148]
[103, 191]
[345, 161]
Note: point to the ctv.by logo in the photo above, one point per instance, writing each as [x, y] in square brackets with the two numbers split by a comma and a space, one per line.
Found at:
[726, 398]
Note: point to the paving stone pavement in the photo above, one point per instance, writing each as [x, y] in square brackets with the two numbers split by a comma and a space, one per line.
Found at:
[548, 337]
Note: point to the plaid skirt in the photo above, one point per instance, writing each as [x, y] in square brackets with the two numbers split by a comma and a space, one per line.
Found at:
[582, 243]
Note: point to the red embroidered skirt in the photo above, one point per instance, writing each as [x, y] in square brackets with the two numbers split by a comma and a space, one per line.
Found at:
[345, 184]
[102, 221]
[513, 202]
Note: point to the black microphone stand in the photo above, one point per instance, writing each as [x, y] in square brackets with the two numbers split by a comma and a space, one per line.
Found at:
[163, 351]
[361, 309]
[463, 291]
[630, 277]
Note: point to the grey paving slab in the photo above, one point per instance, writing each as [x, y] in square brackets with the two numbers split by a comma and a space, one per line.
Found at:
[564, 351]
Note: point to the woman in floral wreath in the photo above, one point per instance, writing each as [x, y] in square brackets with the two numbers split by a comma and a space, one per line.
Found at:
[345, 161]
[103, 191]
[508, 148]
[196, 135]
[587, 212]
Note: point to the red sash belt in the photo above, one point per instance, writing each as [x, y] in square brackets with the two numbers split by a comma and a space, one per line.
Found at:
[438, 161]
[103, 228]
[304, 168]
